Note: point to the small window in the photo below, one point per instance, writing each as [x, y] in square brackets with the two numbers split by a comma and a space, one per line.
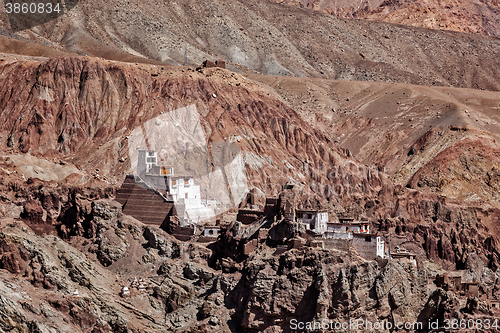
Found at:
[186, 195]
[151, 153]
[368, 238]
[211, 232]
[346, 229]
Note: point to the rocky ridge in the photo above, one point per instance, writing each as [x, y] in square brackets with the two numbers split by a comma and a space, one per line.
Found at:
[40, 273]
[279, 146]
[437, 140]
[286, 41]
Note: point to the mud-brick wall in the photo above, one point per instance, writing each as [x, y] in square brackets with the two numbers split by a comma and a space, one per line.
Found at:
[338, 244]
[367, 250]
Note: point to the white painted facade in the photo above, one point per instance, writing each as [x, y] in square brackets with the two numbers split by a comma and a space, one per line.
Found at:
[314, 220]
[184, 188]
[338, 230]
[211, 231]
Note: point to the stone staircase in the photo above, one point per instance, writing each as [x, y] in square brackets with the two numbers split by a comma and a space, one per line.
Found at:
[142, 202]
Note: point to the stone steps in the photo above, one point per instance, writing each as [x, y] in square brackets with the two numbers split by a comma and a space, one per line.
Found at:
[142, 203]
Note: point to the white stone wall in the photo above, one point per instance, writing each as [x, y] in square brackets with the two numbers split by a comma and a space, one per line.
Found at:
[380, 247]
[211, 232]
[178, 189]
[321, 222]
[151, 160]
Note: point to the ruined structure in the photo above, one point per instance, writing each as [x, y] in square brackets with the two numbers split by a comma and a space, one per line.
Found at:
[369, 246]
[315, 220]
[143, 202]
[218, 63]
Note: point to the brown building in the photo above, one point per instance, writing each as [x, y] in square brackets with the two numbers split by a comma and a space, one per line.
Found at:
[452, 281]
[471, 288]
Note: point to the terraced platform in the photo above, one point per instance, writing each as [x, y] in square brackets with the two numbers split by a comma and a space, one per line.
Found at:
[143, 203]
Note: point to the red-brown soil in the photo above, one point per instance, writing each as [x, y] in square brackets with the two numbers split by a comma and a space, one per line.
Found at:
[347, 146]
[76, 113]
[403, 129]
[79, 111]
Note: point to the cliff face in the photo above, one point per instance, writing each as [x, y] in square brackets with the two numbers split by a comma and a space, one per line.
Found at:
[269, 293]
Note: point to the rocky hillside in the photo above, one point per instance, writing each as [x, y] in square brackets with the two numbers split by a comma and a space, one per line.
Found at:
[421, 163]
[477, 16]
[65, 150]
[269, 292]
[259, 36]
[436, 140]
[82, 110]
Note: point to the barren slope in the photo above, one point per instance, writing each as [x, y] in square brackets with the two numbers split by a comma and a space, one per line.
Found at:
[476, 16]
[425, 138]
[80, 111]
[273, 39]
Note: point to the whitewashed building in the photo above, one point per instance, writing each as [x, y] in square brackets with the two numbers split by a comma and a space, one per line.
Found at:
[314, 220]
[338, 230]
[181, 189]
